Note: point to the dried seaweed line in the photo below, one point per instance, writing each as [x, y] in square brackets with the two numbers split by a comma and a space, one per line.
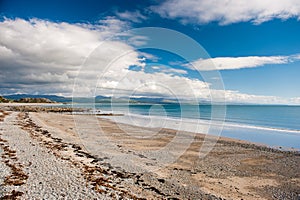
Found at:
[17, 176]
[98, 183]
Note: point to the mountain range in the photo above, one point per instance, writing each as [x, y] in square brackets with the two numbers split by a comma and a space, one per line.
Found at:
[97, 99]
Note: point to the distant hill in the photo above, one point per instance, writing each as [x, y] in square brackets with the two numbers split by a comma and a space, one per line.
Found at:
[158, 100]
[97, 99]
[103, 99]
[4, 100]
[50, 97]
[26, 100]
[34, 100]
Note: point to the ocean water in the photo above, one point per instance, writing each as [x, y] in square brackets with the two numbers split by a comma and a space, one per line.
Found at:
[272, 125]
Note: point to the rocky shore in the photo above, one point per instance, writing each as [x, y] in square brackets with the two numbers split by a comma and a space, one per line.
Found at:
[43, 156]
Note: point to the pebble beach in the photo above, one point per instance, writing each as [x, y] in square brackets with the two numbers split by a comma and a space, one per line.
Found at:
[44, 157]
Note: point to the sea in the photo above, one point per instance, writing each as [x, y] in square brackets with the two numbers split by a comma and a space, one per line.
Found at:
[276, 126]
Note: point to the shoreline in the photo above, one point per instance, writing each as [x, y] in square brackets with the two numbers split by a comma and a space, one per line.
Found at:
[29, 104]
[222, 138]
[228, 126]
[36, 107]
[232, 169]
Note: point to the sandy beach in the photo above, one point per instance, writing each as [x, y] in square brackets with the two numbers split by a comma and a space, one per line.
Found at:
[43, 156]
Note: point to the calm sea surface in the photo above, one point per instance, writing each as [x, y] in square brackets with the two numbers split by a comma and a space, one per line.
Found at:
[273, 125]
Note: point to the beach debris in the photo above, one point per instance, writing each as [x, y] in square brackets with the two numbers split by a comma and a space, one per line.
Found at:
[17, 176]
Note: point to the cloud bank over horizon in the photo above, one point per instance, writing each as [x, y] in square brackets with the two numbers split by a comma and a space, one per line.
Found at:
[228, 12]
[43, 57]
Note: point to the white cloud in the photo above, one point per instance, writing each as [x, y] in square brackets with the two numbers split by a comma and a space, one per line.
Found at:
[295, 57]
[237, 97]
[39, 56]
[110, 25]
[139, 83]
[226, 63]
[148, 56]
[295, 100]
[228, 11]
[135, 16]
[174, 71]
[160, 84]
[118, 79]
[169, 70]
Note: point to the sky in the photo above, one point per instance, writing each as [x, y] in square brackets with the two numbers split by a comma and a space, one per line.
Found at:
[234, 51]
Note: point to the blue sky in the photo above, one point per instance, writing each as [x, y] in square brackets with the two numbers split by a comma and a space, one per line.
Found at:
[256, 48]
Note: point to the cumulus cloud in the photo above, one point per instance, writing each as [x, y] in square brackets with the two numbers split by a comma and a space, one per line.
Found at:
[227, 63]
[139, 83]
[135, 16]
[37, 56]
[169, 70]
[230, 11]
[295, 101]
[165, 84]
[237, 97]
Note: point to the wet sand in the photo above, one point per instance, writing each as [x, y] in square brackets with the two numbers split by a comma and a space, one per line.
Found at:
[44, 155]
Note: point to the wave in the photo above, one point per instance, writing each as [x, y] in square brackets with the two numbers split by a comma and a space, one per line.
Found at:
[174, 123]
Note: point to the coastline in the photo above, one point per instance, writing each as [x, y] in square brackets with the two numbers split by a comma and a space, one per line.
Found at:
[233, 169]
[29, 104]
[230, 130]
